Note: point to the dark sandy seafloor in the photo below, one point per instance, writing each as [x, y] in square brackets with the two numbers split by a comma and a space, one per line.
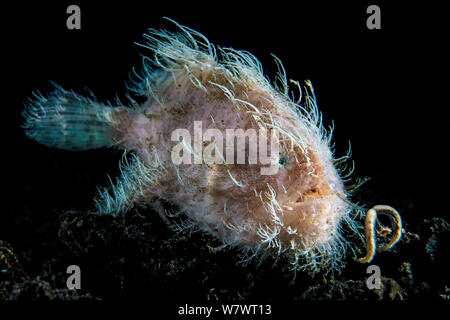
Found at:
[137, 256]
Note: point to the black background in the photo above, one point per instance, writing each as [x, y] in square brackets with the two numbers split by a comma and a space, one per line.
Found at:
[378, 86]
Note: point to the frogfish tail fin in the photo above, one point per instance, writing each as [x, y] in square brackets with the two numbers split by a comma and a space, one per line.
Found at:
[66, 120]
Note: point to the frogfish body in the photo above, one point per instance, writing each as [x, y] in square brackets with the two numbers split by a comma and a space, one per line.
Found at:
[272, 187]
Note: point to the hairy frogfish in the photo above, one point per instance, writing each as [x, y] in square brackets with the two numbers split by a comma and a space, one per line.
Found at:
[214, 138]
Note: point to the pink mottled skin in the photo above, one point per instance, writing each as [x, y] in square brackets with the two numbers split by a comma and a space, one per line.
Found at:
[209, 196]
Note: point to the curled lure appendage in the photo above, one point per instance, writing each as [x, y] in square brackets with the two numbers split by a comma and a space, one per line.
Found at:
[373, 228]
